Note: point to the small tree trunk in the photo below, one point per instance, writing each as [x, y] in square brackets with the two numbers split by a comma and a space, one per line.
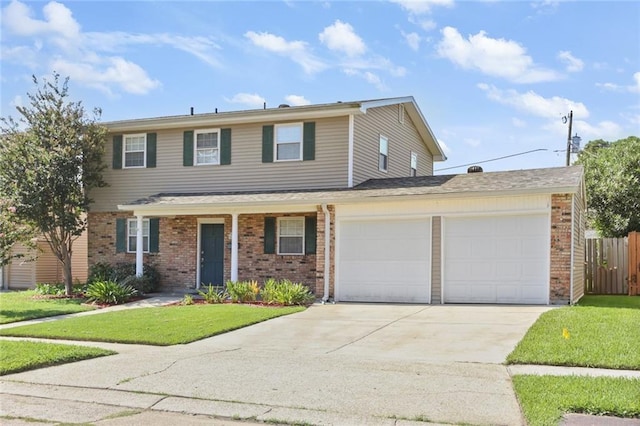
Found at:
[66, 270]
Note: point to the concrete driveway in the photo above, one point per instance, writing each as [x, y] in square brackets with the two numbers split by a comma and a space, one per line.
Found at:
[331, 364]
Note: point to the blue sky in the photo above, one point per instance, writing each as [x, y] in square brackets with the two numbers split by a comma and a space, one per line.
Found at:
[492, 78]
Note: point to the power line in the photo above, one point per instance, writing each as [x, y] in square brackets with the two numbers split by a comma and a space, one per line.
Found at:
[493, 159]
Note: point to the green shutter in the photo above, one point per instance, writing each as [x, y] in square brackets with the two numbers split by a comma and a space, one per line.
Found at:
[154, 235]
[267, 144]
[151, 149]
[310, 234]
[187, 148]
[225, 146]
[121, 235]
[117, 152]
[309, 141]
[269, 235]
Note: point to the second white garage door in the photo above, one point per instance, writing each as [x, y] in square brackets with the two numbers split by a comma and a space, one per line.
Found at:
[384, 261]
[496, 259]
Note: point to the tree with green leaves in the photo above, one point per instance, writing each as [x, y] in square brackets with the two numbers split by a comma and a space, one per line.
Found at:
[50, 158]
[612, 177]
[13, 232]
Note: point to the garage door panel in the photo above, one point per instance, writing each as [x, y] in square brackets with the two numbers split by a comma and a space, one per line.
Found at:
[501, 259]
[384, 260]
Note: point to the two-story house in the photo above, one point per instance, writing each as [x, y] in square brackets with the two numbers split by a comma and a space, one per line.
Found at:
[340, 197]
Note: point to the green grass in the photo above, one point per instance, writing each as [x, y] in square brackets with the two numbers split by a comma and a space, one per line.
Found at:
[153, 326]
[16, 356]
[599, 335]
[631, 302]
[21, 306]
[544, 399]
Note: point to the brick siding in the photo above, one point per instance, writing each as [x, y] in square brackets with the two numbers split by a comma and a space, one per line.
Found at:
[561, 224]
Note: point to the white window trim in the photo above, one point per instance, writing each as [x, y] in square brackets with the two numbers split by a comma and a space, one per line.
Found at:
[195, 146]
[124, 151]
[380, 152]
[411, 168]
[129, 236]
[300, 219]
[275, 141]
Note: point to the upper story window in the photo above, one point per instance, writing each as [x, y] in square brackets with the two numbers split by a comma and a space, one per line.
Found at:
[291, 235]
[135, 148]
[207, 147]
[132, 234]
[288, 142]
[414, 164]
[383, 154]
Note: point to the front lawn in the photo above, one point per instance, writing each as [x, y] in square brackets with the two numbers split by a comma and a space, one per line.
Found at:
[544, 399]
[603, 331]
[21, 306]
[16, 356]
[154, 326]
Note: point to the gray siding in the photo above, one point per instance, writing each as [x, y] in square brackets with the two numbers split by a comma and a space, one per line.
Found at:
[578, 245]
[436, 260]
[403, 139]
[246, 171]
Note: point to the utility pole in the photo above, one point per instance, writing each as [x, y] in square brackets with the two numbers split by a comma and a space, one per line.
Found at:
[569, 138]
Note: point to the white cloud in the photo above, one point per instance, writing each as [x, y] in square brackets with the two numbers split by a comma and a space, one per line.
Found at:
[472, 142]
[113, 70]
[412, 39]
[534, 104]
[250, 99]
[59, 20]
[636, 87]
[444, 146]
[518, 123]
[296, 100]
[368, 76]
[572, 63]
[341, 37]
[16, 101]
[496, 57]
[296, 50]
[420, 7]
[611, 87]
[94, 59]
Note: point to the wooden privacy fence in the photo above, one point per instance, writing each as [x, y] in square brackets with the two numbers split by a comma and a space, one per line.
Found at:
[634, 264]
[606, 266]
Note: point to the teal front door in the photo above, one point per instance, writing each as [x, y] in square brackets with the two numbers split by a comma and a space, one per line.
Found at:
[211, 254]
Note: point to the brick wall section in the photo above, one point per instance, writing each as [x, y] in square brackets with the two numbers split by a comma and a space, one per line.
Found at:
[177, 261]
[561, 224]
[320, 272]
[254, 264]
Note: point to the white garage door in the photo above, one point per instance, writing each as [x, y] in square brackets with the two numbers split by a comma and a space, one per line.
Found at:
[498, 259]
[384, 261]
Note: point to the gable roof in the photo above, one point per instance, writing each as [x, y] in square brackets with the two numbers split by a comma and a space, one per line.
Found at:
[304, 112]
[559, 180]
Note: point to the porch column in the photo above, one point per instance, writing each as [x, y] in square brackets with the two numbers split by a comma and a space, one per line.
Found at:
[234, 246]
[139, 246]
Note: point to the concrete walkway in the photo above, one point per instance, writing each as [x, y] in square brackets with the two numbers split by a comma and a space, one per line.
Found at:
[343, 364]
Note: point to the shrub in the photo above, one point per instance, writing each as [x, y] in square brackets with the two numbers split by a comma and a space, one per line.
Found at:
[120, 272]
[243, 291]
[109, 292]
[214, 294]
[285, 292]
[101, 271]
[187, 300]
[57, 289]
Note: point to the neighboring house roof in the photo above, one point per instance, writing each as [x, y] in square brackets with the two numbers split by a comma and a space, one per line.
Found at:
[532, 181]
[304, 112]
